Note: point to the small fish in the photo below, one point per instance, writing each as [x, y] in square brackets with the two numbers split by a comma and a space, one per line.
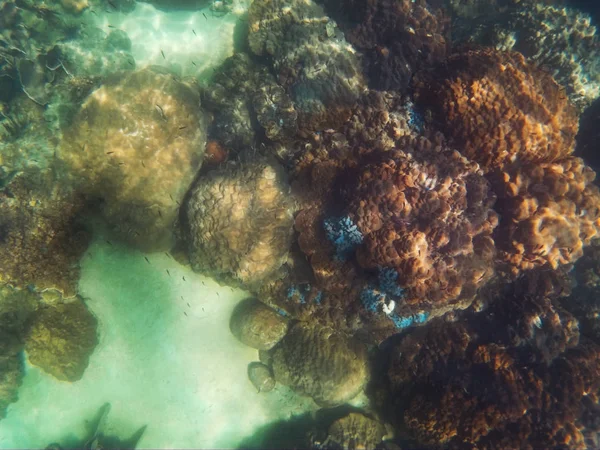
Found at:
[159, 214]
[182, 297]
[147, 260]
[136, 233]
[205, 16]
[179, 204]
[231, 288]
[203, 309]
[168, 273]
[109, 153]
[83, 147]
[168, 256]
[185, 314]
[131, 62]
[203, 284]
[183, 127]
[143, 164]
[195, 31]
[93, 12]
[194, 64]
[170, 196]
[111, 4]
[189, 305]
[121, 163]
[163, 54]
[161, 112]
[218, 295]
[111, 26]
[108, 242]
[183, 278]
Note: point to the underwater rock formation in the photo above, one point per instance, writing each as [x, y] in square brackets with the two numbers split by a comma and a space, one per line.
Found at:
[256, 325]
[497, 109]
[16, 308]
[237, 222]
[558, 38]
[516, 372]
[321, 363]
[550, 212]
[61, 339]
[136, 144]
[261, 376]
[318, 68]
[397, 38]
[41, 236]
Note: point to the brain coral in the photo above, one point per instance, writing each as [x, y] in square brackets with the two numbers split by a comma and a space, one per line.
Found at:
[137, 143]
[498, 109]
[550, 212]
[319, 69]
[397, 37]
[238, 222]
[321, 363]
[515, 373]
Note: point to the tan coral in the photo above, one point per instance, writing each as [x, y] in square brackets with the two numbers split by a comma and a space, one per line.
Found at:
[41, 237]
[497, 109]
[137, 143]
[551, 212]
[238, 222]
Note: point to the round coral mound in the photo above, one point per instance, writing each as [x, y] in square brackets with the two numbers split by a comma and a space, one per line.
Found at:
[498, 109]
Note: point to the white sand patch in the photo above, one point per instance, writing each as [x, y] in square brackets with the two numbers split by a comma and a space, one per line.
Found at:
[192, 41]
[183, 376]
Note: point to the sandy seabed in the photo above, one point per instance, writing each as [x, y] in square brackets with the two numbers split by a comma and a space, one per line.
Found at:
[182, 376]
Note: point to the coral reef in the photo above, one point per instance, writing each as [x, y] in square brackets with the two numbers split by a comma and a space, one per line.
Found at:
[559, 38]
[61, 339]
[397, 38]
[513, 373]
[353, 431]
[237, 222]
[550, 212]
[321, 363]
[41, 237]
[136, 143]
[318, 68]
[257, 325]
[499, 110]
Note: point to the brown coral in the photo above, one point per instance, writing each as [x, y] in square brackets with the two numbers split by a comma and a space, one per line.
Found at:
[398, 37]
[237, 222]
[497, 109]
[513, 374]
[41, 236]
[137, 143]
[550, 212]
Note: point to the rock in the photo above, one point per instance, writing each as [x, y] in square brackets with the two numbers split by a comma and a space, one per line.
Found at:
[257, 325]
[261, 376]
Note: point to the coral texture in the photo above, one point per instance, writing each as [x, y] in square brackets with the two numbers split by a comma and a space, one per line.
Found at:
[257, 325]
[41, 239]
[515, 372]
[317, 67]
[397, 37]
[353, 431]
[61, 339]
[238, 222]
[321, 363]
[550, 212]
[559, 38]
[137, 143]
[497, 109]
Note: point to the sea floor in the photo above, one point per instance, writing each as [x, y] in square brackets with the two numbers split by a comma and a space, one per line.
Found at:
[184, 376]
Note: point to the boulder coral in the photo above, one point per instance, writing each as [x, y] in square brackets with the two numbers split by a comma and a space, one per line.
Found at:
[62, 338]
[237, 222]
[256, 325]
[41, 235]
[319, 70]
[498, 110]
[136, 143]
[321, 363]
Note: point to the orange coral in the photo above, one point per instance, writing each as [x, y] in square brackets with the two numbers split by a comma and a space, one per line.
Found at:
[551, 211]
[497, 109]
[215, 153]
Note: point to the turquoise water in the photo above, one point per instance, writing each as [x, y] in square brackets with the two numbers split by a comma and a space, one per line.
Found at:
[299, 224]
